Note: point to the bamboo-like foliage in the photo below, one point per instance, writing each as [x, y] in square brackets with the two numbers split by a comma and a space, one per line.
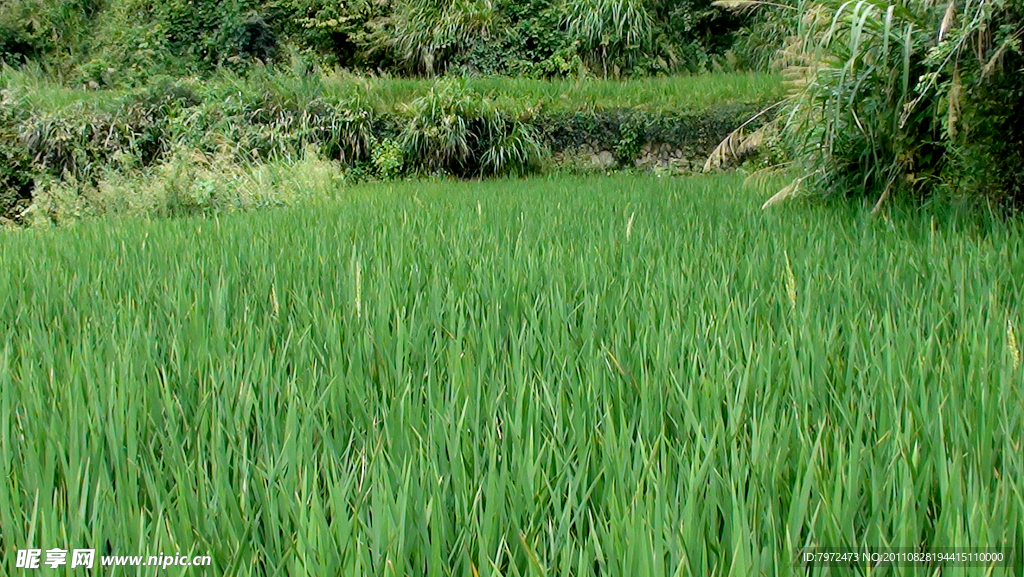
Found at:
[880, 90]
[424, 34]
[610, 31]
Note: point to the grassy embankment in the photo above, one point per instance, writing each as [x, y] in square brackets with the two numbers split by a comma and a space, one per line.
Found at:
[622, 375]
[692, 94]
[183, 146]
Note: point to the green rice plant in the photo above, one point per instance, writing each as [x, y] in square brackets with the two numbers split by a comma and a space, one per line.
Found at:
[622, 375]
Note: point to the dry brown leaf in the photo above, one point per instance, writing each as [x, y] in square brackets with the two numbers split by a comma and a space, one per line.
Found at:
[788, 191]
[737, 145]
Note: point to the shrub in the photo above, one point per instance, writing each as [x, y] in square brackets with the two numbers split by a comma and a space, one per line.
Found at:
[16, 180]
[438, 136]
[210, 32]
[81, 139]
[131, 46]
[16, 47]
[516, 150]
[32, 27]
[188, 182]
[530, 42]
[120, 42]
[630, 141]
[388, 159]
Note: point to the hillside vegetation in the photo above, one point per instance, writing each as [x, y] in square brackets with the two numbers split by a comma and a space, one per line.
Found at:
[157, 149]
[125, 41]
[907, 98]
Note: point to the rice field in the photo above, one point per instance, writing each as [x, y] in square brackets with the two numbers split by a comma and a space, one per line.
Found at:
[604, 376]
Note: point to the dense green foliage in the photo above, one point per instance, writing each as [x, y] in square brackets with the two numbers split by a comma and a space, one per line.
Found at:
[123, 41]
[15, 164]
[906, 98]
[615, 376]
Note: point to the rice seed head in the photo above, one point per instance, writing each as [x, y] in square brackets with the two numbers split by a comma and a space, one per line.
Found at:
[358, 274]
[790, 283]
[629, 226]
[1011, 344]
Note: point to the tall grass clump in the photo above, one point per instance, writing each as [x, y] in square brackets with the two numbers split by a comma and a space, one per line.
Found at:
[603, 376]
[15, 163]
[611, 33]
[452, 131]
[425, 36]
